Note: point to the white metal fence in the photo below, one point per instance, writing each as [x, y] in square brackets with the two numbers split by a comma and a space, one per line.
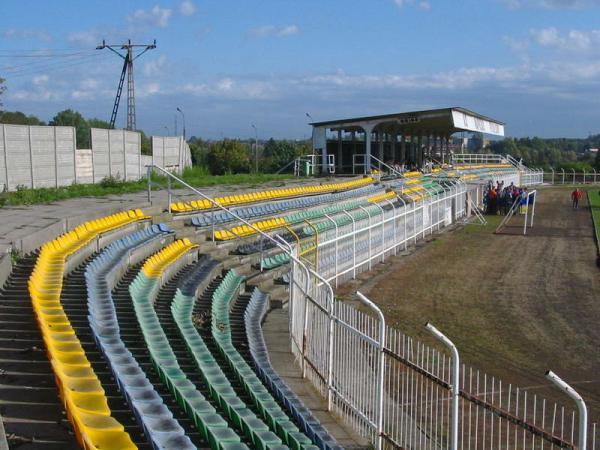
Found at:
[392, 389]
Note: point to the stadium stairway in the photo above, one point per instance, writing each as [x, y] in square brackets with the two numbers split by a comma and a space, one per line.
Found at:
[33, 415]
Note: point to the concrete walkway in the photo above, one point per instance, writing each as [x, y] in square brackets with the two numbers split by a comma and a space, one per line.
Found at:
[277, 338]
[25, 228]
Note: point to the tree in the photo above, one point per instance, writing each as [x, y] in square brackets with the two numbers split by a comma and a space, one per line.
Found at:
[99, 123]
[19, 118]
[227, 156]
[199, 150]
[71, 118]
[277, 154]
[146, 148]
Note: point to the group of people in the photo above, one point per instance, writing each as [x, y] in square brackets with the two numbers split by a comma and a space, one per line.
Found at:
[498, 199]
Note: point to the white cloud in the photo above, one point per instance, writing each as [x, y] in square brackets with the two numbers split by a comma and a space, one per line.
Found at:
[89, 83]
[187, 8]
[90, 38]
[155, 67]
[237, 89]
[34, 94]
[40, 80]
[425, 5]
[147, 90]
[573, 41]
[39, 35]
[157, 16]
[272, 30]
[551, 4]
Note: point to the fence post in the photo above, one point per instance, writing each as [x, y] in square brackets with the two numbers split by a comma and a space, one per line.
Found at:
[381, 370]
[149, 178]
[370, 234]
[336, 247]
[563, 176]
[573, 175]
[582, 441]
[594, 175]
[552, 175]
[455, 390]
[382, 230]
[169, 193]
[583, 176]
[534, 194]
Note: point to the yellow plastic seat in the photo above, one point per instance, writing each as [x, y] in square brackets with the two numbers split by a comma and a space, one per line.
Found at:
[87, 402]
[99, 439]
[71, 358]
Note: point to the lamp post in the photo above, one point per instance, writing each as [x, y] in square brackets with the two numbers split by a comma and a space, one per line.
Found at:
[255, 148]
[183, 119]
[167, 128]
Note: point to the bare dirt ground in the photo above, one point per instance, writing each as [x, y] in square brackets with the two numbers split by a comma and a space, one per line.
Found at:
[515, 305]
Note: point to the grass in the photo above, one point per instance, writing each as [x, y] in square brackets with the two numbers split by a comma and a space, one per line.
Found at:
[594, 198]
[196, 176]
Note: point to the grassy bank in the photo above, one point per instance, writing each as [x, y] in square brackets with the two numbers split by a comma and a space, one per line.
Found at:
[196, 176]
[594, 198]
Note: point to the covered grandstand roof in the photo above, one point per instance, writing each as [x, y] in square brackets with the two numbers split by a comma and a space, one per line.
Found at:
[441, 122]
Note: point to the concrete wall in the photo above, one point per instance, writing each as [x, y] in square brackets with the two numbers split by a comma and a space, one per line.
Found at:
[45, 156]
[36, 156]
[172, 153]
[116, 153]
[84, 166]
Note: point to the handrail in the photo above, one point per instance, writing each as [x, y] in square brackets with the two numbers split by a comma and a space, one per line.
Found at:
[390, 168]
[217, 205]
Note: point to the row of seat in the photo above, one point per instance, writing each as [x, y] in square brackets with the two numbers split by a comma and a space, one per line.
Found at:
[143, 291]
[253, 317]
[80, 389]
[161, 429]
[269, 409]
[299, 217]
[250, 212]
[281, 258]
[255, 430]
[274, 194]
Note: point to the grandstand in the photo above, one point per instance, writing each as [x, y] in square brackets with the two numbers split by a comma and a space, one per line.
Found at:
[408, 139]
[150, 324]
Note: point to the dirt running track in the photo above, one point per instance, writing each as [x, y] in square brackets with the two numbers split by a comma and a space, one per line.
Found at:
[514, 305]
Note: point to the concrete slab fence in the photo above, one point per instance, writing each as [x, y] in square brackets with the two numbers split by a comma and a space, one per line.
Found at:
[47, 156]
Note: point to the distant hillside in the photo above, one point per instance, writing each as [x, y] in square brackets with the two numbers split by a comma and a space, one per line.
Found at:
[558, 153]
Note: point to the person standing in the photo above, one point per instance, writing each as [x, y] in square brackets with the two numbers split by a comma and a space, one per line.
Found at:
[576, 196]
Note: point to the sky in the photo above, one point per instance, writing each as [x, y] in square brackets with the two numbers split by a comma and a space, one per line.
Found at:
[227, 65]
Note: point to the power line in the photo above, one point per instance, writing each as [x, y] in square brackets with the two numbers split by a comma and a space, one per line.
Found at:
[50, 66]
[45, 55]
[128, 59]
[40, 64]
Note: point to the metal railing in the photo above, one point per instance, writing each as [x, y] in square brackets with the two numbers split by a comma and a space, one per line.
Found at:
[417, 409]
[390, 169]
[389, 387]
[563, 176]
[478, 158]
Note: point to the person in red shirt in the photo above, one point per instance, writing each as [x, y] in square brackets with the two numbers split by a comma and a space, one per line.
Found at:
[576, 196]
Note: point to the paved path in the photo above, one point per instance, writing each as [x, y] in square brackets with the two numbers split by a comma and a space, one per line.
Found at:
[278, 340]
[18, 222]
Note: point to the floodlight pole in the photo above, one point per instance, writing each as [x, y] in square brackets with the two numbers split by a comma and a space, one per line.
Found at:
[255, 148]
[183, 119]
